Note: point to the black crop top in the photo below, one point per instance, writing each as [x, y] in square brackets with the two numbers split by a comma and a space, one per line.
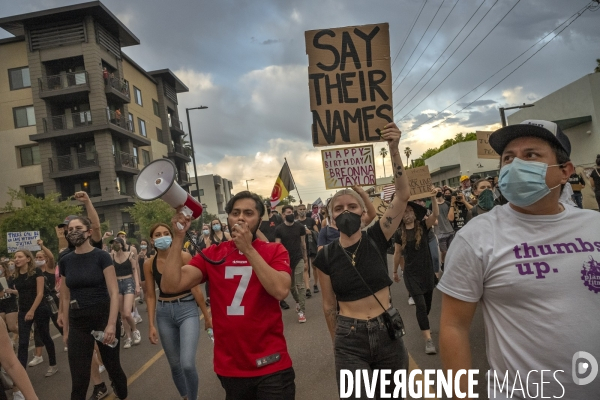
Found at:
[158, 277]
[125, 268]
[346, 284]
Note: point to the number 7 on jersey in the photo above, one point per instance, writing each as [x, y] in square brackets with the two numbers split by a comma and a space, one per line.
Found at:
[236, 307]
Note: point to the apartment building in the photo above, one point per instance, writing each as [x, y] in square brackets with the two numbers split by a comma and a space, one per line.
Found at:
[215, 192]
[76, 113]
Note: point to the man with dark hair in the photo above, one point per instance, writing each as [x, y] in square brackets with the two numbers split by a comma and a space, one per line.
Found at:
[251, 359]
[291, 235]
[577, 184]
[534, 294]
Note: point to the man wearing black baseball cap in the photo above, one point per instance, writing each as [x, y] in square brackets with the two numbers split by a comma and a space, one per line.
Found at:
[533, 265]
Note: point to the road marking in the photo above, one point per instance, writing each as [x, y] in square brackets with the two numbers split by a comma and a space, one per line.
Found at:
[143, 368]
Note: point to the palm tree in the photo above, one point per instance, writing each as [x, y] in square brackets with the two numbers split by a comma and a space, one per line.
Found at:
[597, 69]
[408, 152]
[383, 153]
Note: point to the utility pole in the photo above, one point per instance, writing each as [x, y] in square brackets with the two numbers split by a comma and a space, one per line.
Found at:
[502, 109]
[187, 113]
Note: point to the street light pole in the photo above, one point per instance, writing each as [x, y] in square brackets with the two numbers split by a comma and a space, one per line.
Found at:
[502, 109]
[187, 113]
[248, 180]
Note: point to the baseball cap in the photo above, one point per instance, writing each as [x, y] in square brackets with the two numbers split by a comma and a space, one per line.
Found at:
[464, 178]
[118, 240]
[121, 233]
[546, 130]
[67, 220]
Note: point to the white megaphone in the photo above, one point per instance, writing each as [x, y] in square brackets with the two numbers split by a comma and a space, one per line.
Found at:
[159, 180]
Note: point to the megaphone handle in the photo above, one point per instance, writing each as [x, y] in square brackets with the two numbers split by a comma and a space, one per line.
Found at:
[187, 212]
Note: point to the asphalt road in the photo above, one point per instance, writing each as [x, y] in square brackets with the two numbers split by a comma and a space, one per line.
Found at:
[309, 345]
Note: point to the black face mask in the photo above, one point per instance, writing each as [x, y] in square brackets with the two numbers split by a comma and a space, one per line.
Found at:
[448, 198]
[289, 218]
[348, 223]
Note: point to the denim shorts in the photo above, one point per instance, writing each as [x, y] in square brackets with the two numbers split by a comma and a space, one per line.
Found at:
[126, 286]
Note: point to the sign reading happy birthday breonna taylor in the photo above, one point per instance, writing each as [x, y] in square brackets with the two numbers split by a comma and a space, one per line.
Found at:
[348, 166]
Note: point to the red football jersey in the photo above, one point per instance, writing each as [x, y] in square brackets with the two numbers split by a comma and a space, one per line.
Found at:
[246, 319]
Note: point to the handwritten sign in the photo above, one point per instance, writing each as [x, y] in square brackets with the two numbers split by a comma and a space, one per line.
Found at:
[16, 241]
[350, 83]
[380, 207]
[484, 150]
[419, 181]
[348, 166]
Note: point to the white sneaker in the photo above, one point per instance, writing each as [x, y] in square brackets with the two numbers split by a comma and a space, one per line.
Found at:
[411, 302]
[137, 337]
[18, 396]
[301, 317]
[138, 318]
[51, 371]
[36, 361]
[102, 368]
[66, 349]
[127, 344]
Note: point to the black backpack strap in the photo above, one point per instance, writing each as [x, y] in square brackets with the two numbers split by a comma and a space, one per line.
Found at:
[326, 253]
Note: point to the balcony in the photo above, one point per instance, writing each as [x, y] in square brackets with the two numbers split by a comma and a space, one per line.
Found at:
[72, 126]
[117, 90]
[70, 165]
[220, 198]
[65, 86]
[176, 126]
[125, 162]
[180, 152]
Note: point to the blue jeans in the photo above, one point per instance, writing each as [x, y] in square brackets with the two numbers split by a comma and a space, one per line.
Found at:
[365, 344]
[578, 198]
[179, 330]
[435, 254]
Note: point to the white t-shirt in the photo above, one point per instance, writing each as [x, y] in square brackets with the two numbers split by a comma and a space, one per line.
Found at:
[538, 280]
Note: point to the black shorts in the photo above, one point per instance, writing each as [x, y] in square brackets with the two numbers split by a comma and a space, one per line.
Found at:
[9, 305]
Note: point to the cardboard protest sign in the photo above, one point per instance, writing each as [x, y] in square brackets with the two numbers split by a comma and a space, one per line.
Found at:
[350, 83]
[22, 241]
[344, 167]
[380, 207]
[484, 150]
[420, 183]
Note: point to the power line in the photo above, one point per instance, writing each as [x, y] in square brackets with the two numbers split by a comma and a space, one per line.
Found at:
[417, 46]
[459, 64]
[409, 32]
[426, 47]
[442, 53]
[576, 15]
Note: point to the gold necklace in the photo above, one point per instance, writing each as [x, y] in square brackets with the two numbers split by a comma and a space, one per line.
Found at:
[353, 254]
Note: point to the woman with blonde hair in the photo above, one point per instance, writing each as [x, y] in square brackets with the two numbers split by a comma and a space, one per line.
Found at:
[353, 271]
[28, 281]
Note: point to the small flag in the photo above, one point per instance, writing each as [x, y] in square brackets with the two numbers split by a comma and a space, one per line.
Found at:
[386, 193]
[283, 185]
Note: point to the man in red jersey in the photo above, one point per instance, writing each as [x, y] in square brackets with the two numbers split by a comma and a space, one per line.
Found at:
[248, 278]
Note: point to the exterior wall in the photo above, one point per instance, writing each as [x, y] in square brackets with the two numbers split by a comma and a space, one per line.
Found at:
[211, 192]
[465, 155]
[14, 55]
[577, 99]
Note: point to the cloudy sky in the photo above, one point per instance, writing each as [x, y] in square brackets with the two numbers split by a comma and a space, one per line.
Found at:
[246, 61]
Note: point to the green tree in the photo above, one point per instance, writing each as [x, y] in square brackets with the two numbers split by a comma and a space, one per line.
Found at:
[597, 69]
[287, 200]
[147, 213]
[383, 153]
[407, 152]
[41, 215]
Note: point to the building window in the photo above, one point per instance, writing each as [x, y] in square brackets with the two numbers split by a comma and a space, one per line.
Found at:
[30, 156]
[35, 190]
[121, 185]
[201, 192]
[155, 108]
[159, 136]
[138, 95]
[146, 157]
[24, 116]
[454, 182]
[131, 124]
[19, 78]
[142, 125]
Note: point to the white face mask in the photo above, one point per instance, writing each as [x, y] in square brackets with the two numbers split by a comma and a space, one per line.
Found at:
[39, 263]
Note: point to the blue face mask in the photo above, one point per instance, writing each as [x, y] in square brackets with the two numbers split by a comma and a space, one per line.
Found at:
[143, 247]
[163, 243]
[216, 227]
[523, 183]
[205, 232]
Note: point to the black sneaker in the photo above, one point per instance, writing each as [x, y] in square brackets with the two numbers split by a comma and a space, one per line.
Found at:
[315, 289]
[100, 392]
[284, 305]
[308, 294]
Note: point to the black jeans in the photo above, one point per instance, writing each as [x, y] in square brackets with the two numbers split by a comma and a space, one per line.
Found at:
[41, 317]
[36, 332]
[276, 386]
[366, 345]
[81, 348]
[423, 306]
